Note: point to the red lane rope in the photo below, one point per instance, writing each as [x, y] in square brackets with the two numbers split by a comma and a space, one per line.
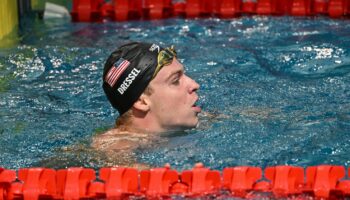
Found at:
[324, 181]
[122, 10]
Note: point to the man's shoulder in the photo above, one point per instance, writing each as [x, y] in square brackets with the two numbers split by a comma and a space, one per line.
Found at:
[116, 140]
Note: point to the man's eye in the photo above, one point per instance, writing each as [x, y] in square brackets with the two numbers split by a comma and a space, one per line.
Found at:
[176, 82]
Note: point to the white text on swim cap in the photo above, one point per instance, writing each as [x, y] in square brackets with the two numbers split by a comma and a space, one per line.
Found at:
[154, 47]
[128, 80]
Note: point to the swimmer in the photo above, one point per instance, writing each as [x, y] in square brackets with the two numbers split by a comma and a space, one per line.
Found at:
[152, 93]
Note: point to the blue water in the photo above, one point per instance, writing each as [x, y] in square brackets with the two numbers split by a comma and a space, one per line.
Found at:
[276, 89]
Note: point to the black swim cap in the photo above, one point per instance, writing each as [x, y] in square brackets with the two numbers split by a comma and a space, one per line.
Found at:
[127, 73]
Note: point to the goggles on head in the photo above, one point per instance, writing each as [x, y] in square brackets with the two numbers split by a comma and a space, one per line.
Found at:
[165, 57]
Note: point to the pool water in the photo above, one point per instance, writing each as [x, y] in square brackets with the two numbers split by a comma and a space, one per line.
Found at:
[275, 91]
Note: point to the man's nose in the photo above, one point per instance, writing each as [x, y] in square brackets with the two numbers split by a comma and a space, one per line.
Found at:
[193, 85]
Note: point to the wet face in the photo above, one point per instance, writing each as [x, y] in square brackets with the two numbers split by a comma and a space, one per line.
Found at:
[173, 98]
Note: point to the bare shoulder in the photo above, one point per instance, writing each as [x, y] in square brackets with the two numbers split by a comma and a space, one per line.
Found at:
[118, 147]
[115, 140]
[112, 140]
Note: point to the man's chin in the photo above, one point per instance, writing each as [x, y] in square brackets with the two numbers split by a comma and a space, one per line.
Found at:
[195, 124]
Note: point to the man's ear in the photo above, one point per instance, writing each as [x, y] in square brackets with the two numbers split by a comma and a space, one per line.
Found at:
[143, 103]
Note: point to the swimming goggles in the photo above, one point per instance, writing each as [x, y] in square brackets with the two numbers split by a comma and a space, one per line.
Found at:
[165, 57]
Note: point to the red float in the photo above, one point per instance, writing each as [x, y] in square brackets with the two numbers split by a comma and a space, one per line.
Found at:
[87, 10]
[249, 7]
[337, 8]
[230, 8]
[301, 8]
[320, 6]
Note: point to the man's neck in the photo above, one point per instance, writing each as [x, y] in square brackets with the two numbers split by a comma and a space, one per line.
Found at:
[145, 124]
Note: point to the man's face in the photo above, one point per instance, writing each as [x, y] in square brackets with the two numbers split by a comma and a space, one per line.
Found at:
[173, 98]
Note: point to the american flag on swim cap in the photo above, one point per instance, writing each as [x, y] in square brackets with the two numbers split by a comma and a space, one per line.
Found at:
[115, 72]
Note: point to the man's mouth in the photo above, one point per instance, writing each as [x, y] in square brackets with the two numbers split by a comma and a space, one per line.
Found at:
[196, 108]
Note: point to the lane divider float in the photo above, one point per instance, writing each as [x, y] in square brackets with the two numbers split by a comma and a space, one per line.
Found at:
[123, 10]
[323, 181]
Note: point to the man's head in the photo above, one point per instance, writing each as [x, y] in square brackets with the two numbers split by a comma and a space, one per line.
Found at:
[149, 82]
